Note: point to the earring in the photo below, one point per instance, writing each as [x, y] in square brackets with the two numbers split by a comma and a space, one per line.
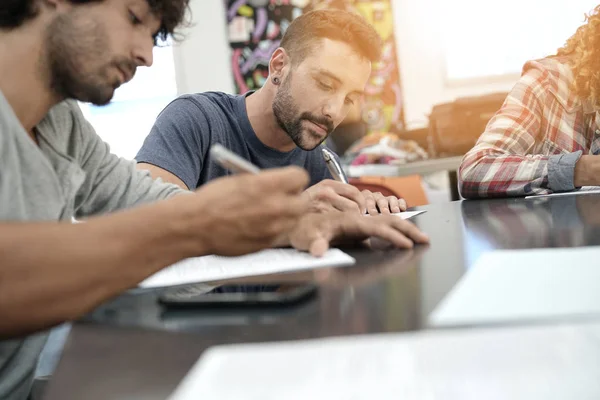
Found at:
[276, 81]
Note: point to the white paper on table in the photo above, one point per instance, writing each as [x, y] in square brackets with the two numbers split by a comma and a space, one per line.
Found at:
[406, 214]
[524, 285]
[583, 190]
[517, 363]
[213, 268]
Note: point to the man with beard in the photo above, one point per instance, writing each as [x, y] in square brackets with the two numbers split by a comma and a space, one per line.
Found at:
[315, 76]
[53, 168]
[546, 136]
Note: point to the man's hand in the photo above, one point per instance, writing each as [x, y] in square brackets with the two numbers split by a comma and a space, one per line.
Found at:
[244, 213]
[315, 232]
[378, 203]
[329, 195]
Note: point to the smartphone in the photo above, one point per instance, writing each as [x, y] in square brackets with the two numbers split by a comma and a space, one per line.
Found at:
[273, 295]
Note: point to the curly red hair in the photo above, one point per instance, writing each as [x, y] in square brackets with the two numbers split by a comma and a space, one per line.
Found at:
[583, 54]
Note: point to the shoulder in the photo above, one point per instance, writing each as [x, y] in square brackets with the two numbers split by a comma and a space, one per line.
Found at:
[551, 76]
[67, 129]
[63, 117]
[207, 104]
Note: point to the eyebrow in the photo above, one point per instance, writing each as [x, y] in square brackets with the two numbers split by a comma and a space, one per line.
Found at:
[334, 77]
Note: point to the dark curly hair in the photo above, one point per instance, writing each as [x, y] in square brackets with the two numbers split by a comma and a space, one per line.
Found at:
[13, 13]
[306, 30]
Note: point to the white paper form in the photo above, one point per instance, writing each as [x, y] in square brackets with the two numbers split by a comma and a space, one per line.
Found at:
[583, 190]
[213, 268]
[405, 214]
[408, 214]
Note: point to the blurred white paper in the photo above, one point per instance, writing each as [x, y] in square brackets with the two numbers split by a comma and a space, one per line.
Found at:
[583, 190]
[524, 285]
[212, 268]
[406, 214]
[519, 363]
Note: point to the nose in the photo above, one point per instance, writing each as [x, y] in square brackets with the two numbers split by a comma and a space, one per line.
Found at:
[142, 52]
[334, 109]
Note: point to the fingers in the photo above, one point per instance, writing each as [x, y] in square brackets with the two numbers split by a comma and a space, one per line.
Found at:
[318, 246]
[345, 190]
[383, 203]
[394, 230]
[409, 229]
[387, 233]
[312, 234]
[329, 196]
[343, 204]
[376, 203]
[395, 204]
[371, 203]
[402, 204]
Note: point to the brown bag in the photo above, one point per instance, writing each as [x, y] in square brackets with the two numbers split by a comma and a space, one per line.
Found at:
[455, 127]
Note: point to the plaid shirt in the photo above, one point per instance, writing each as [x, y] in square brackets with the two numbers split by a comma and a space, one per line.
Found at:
[532, 143]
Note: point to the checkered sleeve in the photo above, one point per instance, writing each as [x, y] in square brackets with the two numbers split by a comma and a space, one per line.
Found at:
[501, 163]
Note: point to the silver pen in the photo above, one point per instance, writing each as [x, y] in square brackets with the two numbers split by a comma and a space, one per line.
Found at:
[334, 167]
[231, 161]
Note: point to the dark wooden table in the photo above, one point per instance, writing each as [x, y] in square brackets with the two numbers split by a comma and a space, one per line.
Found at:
[132, 348]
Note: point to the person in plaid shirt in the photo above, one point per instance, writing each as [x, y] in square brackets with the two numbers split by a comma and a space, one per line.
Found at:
[546, 136]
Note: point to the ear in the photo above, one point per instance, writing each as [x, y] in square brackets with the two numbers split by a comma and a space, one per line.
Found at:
[279, 61]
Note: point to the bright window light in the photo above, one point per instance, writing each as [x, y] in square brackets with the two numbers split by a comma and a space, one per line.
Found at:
[483, 39]
[127, 120]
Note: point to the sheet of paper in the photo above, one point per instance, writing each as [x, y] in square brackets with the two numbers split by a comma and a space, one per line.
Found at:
[524, 285]
[583, 190]
[519, 363]
[212, 268]
[407, 214]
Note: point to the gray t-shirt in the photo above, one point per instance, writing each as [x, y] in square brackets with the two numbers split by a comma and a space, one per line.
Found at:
[180, 140]
[70, 174]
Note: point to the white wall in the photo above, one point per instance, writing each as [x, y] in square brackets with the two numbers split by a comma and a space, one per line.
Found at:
[202, 59]
[421, 62]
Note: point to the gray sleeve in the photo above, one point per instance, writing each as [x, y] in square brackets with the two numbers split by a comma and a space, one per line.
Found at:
[561, 169]
[175, 142]
[111, 183]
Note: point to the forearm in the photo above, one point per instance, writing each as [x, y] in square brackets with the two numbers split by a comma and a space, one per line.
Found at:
[54, 272]
[482, 176]
[587, 171]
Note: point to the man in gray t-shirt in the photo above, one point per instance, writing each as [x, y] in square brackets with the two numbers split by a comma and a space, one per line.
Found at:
[53, 168]
[186, 129]
[316, 77]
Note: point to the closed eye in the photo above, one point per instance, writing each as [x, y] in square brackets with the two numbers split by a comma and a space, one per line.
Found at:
[324, 86]
[134, 18]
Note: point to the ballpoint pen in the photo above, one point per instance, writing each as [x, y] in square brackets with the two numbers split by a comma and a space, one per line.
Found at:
[232, 161]
[334, 167]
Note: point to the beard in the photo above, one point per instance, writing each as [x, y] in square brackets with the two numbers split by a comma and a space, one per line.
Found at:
[76, 49]
[290, 119]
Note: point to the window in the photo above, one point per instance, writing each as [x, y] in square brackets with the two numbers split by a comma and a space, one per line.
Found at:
[483, 39]
[127, 120]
